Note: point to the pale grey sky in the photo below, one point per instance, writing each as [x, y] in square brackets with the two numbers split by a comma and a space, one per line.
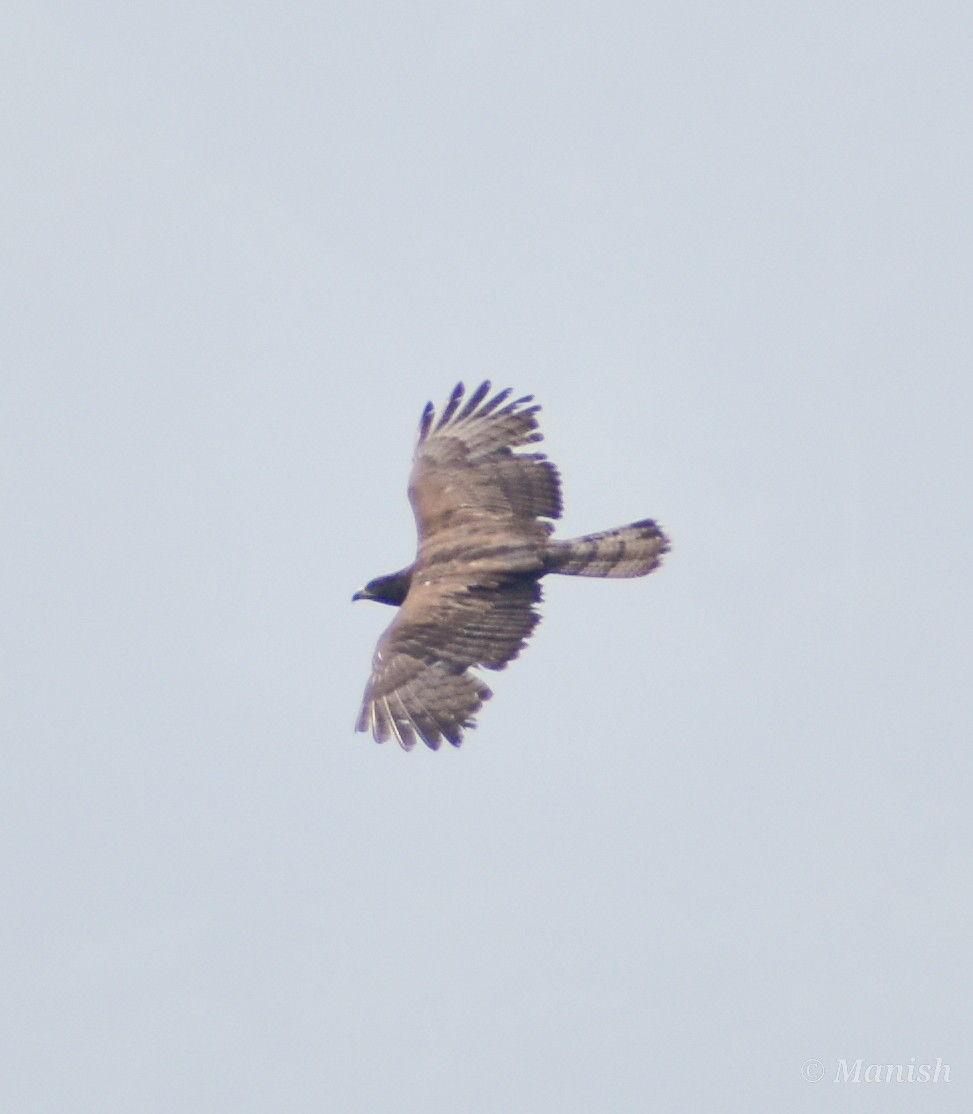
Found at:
[714, 824]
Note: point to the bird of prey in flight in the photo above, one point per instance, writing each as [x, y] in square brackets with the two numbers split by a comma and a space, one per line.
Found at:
[484, 516]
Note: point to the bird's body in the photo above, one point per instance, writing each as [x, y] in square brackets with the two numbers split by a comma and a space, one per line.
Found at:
[484, 518]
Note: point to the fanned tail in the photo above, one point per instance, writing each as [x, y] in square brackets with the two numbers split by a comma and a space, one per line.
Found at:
[633, 550]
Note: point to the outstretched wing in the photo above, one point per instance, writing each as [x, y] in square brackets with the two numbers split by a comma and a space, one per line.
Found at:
[421, 684]
[469, 489]
[482, 516]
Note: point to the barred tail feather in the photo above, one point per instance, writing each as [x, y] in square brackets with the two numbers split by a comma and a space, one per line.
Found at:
[626, 551]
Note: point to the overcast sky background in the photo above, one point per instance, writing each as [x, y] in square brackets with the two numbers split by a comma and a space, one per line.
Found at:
[714, 823]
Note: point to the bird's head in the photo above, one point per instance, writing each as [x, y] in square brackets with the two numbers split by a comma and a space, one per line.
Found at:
[391, 589]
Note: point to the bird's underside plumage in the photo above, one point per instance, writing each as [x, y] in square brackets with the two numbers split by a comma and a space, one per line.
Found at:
[483, 515]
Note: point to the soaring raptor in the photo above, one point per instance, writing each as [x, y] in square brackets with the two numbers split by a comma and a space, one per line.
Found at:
[483, 515]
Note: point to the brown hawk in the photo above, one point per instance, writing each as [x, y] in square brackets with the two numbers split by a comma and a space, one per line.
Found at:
[483, 515]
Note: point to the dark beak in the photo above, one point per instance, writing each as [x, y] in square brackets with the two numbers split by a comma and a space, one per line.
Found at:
[360, 595]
